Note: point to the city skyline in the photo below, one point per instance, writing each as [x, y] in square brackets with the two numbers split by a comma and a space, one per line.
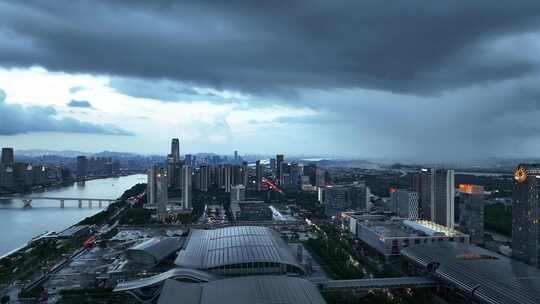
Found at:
[231, 77]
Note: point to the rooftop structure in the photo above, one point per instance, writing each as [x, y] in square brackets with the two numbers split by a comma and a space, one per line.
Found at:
[389, 235]
[482, 275]
[154, 250]
[238, 250]
[249, 289]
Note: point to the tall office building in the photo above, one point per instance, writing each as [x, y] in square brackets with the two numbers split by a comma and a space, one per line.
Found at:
[175, 149]
[444, 197]
[244, 173]
[526, 214]
[205, 178]
[171, 171]
[424, 184]
[311, 171]
[188, 160]
[259, 174]
[404, 204]
[157, 190]
[296, 173]
[7, 156]
[273, 167]
[279, 168]
[227, 177]
[82, 166]
[186, 187]
[471, 215]
[359, 195]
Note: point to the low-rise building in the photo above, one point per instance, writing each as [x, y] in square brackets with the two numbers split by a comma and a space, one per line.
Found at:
[389, 235]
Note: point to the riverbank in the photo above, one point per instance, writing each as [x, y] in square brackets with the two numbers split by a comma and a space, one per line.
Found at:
[19, 225]
[56, 185]
[32, 264]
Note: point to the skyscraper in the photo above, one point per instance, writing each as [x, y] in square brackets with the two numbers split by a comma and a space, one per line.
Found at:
[227, 176]
[319, 177]
[171, 170]
[188, 160]
[186, 187]
[244, 174]
[359, 196]
[296, 173]
[444, 197]
[7, 156]
[471, 215]
[259, 174]
[279, 168]
[526, 214]
[82, 166]
[424, 184]
[205, 177]
[404, 204]
[157, 190]
[175, 149]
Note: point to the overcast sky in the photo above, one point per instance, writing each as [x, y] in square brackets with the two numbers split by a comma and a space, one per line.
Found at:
[437, 80]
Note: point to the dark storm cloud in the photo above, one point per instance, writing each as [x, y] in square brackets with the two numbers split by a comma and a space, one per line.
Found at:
[17, 119]
[413, 46]
[79, 104]
[164, 90]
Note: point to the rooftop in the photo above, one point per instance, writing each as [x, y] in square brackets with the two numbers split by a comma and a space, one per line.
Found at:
[489, 277]
[205, 249]
[154, 250]
[240, 290]
[392, 228]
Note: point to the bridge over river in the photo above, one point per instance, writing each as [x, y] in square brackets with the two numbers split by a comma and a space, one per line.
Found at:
[27, 200]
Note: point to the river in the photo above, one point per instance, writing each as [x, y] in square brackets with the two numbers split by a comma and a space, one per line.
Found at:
[19, 225]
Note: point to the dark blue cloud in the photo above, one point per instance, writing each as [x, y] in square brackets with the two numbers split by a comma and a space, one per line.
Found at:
[17, 119]
[409, 46]
[79, 104]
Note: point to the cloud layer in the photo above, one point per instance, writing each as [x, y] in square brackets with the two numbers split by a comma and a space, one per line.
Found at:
[407, 46]
[407, 78]
[17, 119]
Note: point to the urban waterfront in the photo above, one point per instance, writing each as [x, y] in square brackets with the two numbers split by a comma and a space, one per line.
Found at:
[19, 225]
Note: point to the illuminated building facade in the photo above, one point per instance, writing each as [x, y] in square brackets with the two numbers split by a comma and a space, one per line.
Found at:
[526, 214]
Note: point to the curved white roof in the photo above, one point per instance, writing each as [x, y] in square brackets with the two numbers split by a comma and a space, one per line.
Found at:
[243, 290]
[154, 250]
[206, 249]
[488, 277]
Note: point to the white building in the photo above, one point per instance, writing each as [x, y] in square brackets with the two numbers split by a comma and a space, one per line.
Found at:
[238, 193]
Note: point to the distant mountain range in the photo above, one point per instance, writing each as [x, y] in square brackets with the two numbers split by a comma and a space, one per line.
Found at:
[72, 153]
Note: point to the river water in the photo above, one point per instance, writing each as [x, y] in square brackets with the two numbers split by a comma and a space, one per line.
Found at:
[19, 225]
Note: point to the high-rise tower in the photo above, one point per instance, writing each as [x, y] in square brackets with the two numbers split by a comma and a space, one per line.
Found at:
[279, 168]
[7, 156]
[526, 214]
[175, 149]
[444, 197]
[186, 187]
[259, 174]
